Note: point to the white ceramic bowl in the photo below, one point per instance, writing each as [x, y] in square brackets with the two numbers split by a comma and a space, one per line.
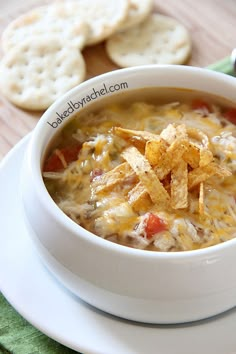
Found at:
[134, 284]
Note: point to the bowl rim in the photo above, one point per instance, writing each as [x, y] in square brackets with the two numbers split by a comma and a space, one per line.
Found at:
[57, 214]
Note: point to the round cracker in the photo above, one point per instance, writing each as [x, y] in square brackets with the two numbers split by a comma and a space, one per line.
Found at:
[44, 20]
[39, 70]
[157, 40]
[103, 17]
[138, 12]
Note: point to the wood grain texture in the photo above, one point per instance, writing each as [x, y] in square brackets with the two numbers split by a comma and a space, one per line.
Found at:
[211, 24]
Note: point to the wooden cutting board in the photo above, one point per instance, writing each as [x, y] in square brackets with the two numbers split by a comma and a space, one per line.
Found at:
[211, 24]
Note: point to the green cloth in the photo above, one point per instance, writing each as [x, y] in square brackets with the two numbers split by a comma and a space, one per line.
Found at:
[224, 66]
[17, 336]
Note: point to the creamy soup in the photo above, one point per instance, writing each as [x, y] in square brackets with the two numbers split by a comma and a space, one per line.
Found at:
[152, 170]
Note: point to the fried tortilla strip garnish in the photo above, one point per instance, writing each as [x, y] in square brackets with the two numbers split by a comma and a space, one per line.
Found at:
[179, 186]
[196, 157]
[201, 199]
[138, 135]
[172, 157]
[171, 133]
[139, 198]
[206, 157]
[181, 131]
[199, 138]
[201, 174]
[200, 143]
[192, 155]
[111, 178]
[155, 150]
[147, 176]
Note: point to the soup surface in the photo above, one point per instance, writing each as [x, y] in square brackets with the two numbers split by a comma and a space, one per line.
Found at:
[153, 170]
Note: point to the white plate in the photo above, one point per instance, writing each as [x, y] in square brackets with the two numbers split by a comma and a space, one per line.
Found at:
[41, 300]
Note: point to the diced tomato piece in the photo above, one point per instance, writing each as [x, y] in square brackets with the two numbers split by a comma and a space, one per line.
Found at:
[202, 105]
[70, 153]
[154, 224]
[230, 115]
[54, 163]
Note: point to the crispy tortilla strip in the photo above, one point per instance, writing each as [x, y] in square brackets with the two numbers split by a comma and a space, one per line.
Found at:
[172, 157]
[155, 150]
[206, 157]
[111, 178]
[181, 131]
[196, 157]
[139, 198]
[135, 134]
[198, 153]
[199, 138]
[201, 199]
[192, 155]
[172, 132]
[169, 134]
[147, 176]
[201, 174]
[179, 186]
